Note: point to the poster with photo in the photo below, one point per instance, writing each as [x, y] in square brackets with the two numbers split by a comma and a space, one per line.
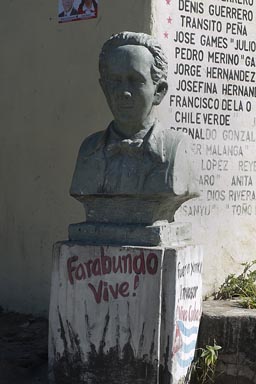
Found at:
[74, 10]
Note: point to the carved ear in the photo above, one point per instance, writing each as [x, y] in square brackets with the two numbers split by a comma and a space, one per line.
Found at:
[160, 92]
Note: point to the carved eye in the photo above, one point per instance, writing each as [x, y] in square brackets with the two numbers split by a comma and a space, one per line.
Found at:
[114, 80]
[137, 80]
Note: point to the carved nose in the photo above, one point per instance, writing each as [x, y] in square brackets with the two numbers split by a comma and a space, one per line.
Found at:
[127, 94]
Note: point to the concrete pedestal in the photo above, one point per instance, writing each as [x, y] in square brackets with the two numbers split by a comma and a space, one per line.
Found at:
[162, 233]
[123, 314]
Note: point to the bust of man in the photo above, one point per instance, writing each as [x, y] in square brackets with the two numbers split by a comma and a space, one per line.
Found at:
[135, 157]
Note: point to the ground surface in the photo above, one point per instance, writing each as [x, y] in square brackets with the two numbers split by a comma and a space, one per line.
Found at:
[23, 349]
[23, 344]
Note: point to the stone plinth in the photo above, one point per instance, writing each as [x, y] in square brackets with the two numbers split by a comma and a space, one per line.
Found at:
[161, 233]
[132, 208]
[123, 314]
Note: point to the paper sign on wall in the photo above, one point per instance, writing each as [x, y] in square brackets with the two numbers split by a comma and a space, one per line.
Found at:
[74, 10]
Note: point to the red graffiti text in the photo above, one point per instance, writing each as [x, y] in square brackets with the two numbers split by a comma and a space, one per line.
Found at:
[105, 265]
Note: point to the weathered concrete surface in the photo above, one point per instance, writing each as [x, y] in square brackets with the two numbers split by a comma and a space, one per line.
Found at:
[123, 314]
[233, 328]
[163, 233]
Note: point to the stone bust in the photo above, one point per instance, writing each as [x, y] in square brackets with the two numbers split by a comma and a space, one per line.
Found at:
[135, 157]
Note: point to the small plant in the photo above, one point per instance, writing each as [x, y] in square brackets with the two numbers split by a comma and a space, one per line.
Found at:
[242, 286]
[204, 366]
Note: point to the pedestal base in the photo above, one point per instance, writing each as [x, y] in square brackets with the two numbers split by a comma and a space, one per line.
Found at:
[162, 233]
[123, 314]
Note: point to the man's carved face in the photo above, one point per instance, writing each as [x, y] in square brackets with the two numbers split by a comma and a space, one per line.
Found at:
[128, 84]
[67, 5]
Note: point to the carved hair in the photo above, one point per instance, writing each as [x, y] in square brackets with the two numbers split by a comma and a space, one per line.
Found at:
[160, 67]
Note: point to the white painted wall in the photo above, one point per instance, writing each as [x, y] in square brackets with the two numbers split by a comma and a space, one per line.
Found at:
[226, 227]
[50, 100]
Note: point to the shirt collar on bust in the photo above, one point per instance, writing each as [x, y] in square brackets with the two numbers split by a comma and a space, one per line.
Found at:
[152, 141]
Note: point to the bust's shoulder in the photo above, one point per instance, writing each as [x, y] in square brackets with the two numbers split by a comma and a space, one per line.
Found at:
[167, 141]
[173, 135]
[176, 141]
[92, 143]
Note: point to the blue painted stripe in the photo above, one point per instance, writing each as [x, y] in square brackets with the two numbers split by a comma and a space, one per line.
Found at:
[186, 348]
[187, 331]
[184, 363]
